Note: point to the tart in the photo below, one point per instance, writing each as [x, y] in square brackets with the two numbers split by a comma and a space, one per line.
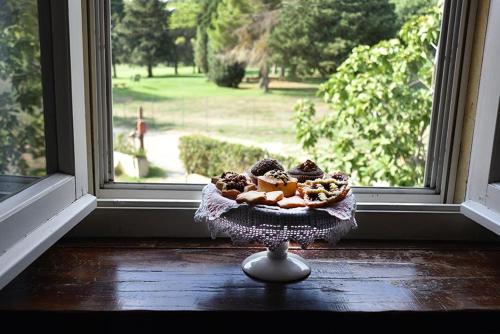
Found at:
[275, 180]
[263, 166]
[339, 178]
[232, 184]
[322, 192]
[307, 170]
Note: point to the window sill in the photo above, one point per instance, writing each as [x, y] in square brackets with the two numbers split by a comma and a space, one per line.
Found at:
[162, 276]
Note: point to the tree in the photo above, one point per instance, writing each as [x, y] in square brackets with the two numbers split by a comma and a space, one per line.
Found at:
[380, 99]
[144, 28]
[21, 113]
[252, 46]
[405, 9]
[229, 16]
[183, 25]
[117, 42]
[208, 9]
[319, 34]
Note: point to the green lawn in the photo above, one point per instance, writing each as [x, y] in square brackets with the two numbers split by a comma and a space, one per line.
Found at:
[190, 103]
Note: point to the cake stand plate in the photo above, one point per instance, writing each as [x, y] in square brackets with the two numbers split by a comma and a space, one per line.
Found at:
[276, 266]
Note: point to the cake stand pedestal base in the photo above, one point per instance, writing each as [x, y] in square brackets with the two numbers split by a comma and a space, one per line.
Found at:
[276, 266]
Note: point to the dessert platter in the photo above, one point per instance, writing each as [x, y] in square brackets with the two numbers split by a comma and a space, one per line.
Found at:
[272, 206]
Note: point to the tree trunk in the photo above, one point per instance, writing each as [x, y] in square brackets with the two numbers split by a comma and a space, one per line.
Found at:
[264, 78]
[283, 72]
[114, 70]
[175, 66]
[150, 71]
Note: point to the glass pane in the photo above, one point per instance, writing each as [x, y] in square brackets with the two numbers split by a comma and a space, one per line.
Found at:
[203, 87]
[22, 142]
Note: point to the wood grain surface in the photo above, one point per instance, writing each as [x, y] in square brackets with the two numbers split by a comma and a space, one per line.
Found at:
[195, 275]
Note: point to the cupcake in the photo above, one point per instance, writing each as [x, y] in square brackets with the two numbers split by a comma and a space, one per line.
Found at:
[277, 180]
[263, 166]
[307, 170]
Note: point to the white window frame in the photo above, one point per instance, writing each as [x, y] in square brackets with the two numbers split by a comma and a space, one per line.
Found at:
[36, 217]
[166, 210]
[483, 189]
[452, 62]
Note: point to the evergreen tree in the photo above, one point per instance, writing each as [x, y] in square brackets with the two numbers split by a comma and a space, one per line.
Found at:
[319, 34]
[145, 32]
[117, 42]
[208, 9]
[200, 49]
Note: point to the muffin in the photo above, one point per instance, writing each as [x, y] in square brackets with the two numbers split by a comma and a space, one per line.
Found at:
[277, 180]
[263, 166]
[307, 170]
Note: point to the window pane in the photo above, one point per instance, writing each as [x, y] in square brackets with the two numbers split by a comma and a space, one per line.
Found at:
[22, 142]
[202, 87]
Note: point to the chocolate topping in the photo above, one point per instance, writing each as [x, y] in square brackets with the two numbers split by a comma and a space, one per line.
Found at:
[236, 181]
[278, 175]
[307, 168]
[339, 176]
[265, 165]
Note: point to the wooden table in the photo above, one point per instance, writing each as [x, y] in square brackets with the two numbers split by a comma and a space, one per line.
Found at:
[375, 281]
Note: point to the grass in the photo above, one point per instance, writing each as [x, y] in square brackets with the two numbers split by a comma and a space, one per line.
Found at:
[190, 103]
[155, 175]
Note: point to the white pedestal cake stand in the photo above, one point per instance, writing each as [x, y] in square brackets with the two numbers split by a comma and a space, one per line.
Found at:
[275, 227]
[276, 265]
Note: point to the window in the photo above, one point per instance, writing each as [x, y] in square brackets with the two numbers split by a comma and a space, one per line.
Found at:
[42, 129]
[483, 190]
[189, 120]
[22, 138]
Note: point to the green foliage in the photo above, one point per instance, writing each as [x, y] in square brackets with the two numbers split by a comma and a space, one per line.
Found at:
[319, 34]
[21, 113]
[381, 98]
[209, 157]
[208, 8]
[230, 15]
[225, 73]
[117, 38]
[405, 9]
[200, 49]
[185, 13]
[146, 37]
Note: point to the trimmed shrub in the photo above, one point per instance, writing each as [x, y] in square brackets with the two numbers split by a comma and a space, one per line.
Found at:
[209, 157]
[225, 73]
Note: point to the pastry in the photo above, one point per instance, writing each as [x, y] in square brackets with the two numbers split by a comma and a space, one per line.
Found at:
[232, 184]
[292, 202]
[307, 170]
[322, 192]
[215, 179]
[277, 180]
[252, 197]
[273, 197]
[263, 166]
[339, 178]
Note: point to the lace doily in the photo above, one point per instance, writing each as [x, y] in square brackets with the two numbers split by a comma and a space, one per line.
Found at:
[272, 225]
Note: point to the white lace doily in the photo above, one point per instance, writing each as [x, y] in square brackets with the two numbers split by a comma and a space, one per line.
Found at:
[272, 225]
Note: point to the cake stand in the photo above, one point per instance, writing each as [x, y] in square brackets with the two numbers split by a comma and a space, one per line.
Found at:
[274, 228]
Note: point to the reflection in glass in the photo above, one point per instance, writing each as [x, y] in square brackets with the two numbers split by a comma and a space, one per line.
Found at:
[22, 141]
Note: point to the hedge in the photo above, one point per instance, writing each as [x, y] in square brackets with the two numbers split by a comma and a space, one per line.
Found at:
[209, 157]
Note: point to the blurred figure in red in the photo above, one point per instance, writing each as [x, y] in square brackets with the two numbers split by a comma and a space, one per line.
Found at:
[140, 128]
